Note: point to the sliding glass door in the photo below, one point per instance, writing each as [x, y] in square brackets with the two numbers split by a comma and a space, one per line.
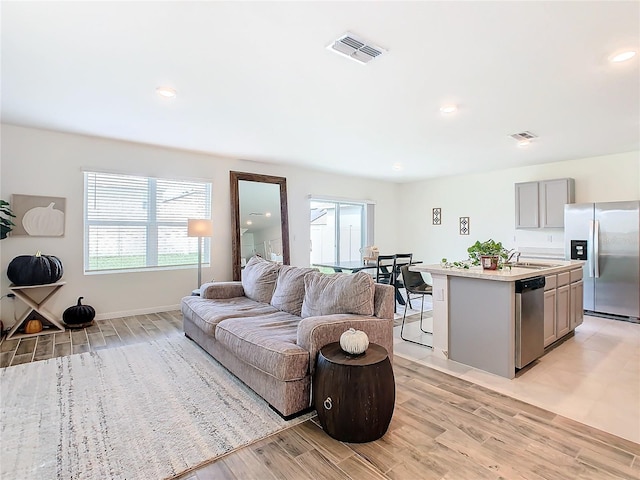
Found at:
[338, 231]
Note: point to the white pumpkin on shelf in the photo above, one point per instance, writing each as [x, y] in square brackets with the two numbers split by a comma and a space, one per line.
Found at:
[354, 342]
[44, 221]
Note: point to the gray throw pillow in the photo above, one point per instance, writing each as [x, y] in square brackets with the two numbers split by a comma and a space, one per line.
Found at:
[259, 279]
[289, 292]
[327, 294]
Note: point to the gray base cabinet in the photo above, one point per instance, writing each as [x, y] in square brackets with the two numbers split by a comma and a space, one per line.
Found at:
[563, 307]
[562, 312]
[550, 317]
[576, 311]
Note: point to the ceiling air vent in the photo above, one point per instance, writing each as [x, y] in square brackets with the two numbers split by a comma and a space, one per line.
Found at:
[355, 48]
[523, 136]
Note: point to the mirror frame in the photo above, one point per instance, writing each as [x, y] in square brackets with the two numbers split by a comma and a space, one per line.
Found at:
[235, 177]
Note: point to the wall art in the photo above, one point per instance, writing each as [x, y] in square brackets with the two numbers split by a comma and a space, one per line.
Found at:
[464, 226]
[38, 216]
[436, 216]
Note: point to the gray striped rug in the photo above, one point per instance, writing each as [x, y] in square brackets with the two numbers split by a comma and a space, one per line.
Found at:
[144, 411]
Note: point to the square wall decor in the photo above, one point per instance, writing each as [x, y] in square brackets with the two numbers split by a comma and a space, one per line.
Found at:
[464, 226]
[436, 216]
[38, 216]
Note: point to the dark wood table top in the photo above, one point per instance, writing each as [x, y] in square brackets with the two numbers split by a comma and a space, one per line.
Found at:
[334, 354]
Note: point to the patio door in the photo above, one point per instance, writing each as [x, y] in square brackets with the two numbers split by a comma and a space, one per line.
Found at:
[338, 231]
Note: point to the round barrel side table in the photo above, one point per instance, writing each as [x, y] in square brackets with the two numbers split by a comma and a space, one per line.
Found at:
[354, 395]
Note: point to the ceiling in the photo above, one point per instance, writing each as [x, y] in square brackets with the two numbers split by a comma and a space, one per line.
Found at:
[255, 81]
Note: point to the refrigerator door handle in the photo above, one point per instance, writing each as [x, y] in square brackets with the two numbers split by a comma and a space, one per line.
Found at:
[596, 249]
[592, 248]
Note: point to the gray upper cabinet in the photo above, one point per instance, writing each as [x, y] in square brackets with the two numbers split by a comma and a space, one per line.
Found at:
[541, 204]
[527, 209]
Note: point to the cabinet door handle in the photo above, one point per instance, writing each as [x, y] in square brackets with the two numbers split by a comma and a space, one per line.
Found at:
[328, 403]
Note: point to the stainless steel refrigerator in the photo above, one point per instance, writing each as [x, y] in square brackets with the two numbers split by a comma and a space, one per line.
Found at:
[607, 236]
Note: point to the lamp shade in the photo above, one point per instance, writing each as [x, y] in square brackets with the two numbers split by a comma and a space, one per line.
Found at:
[200, 227]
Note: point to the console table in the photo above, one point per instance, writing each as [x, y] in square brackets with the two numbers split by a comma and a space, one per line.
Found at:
[27, 293]
[354, 395]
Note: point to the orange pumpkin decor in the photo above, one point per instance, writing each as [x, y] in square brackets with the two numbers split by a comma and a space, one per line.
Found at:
[33, 326]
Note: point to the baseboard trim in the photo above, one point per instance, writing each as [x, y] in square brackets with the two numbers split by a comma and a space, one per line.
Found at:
[140, 311]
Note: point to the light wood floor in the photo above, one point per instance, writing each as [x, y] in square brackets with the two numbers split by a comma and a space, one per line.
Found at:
[443, 427]
[102, 334]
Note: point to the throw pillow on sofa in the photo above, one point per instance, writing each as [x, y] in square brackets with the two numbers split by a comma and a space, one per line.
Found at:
[338, 293]
[289, 292]
[259, 279]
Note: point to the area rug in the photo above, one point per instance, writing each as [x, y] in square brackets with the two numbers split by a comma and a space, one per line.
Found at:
[145, 411]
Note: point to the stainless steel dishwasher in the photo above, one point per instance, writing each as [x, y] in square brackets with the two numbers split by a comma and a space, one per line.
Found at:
[529, 320]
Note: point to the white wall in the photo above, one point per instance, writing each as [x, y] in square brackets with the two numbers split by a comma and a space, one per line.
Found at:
[40, 162]
[489, 200]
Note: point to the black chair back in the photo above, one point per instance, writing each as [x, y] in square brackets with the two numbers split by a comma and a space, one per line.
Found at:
[385, 269]
[404, 259]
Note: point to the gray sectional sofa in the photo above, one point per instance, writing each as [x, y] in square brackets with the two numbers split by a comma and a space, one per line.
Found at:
[268, 329]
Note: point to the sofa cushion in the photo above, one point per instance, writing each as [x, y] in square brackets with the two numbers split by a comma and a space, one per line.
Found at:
[338, 293]
[268, 343]
[289, 292]
[259, 279]
[207, 313]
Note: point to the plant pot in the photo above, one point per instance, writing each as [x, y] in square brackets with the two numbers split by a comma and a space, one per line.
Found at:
[489, 262]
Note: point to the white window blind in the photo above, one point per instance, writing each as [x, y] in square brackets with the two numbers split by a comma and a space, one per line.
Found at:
[136, 222]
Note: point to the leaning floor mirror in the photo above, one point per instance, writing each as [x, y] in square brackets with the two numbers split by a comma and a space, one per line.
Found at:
[259, 219]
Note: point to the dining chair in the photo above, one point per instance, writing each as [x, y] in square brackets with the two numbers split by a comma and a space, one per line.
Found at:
[415, 285]
[385, 269]
[401, 260]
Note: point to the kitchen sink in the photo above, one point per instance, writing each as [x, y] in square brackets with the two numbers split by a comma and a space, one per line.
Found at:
[533, 265]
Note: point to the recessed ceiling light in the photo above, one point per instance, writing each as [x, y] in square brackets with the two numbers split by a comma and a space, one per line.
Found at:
[268, 214]
[397, 167]
[249, 222]
[623, 56]
[525, 142]
[446, 109]
[166, 92]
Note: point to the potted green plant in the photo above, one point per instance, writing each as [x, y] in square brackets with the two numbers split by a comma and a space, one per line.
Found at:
[490, 254]
[6, 225]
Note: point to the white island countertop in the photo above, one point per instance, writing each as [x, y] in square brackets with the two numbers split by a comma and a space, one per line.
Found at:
[505, 274]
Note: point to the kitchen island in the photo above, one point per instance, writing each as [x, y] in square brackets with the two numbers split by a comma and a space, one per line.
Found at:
[474, 310]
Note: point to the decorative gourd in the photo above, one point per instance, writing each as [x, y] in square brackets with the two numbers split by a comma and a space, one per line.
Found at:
[354, 341]
[79, 315]
[44, 221]
[35, 269]
[33, 326]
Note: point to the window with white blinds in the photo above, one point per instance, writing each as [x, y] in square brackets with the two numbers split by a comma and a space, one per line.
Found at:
[141, 222]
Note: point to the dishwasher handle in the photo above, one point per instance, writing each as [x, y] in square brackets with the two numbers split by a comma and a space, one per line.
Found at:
[528, 284]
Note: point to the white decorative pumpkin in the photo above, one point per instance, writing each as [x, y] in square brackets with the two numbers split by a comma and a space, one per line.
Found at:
[354, 341]
[44, 221]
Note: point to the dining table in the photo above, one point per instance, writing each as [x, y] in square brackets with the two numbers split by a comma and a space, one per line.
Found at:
[350, 265]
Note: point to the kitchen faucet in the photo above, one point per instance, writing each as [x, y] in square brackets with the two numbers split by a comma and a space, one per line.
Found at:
[516, 254]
